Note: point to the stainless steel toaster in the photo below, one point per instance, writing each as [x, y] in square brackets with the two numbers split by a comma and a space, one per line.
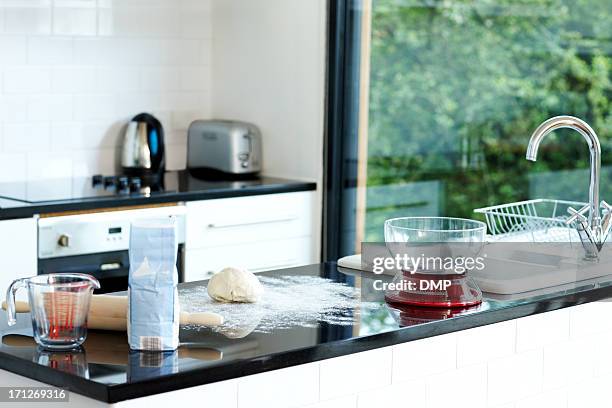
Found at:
[224, 146]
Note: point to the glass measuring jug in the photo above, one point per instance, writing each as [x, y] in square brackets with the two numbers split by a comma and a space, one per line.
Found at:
[59, 304]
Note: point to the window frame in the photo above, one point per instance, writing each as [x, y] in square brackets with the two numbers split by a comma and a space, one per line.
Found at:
[341, 142]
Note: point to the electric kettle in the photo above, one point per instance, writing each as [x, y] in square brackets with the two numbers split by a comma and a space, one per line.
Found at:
[143, 153]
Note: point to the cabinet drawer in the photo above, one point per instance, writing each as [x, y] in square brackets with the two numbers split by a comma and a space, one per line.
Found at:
[201, 263]
[230, 221]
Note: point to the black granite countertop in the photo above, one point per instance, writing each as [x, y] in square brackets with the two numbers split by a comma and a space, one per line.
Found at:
[24, 199]
[106, 370]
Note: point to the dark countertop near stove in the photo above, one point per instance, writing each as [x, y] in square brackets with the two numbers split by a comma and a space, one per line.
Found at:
[107, 371]
[24, 199]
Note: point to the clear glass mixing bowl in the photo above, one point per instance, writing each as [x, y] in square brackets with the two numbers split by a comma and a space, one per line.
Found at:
[435, 237]
[434, 229]
[437, 253]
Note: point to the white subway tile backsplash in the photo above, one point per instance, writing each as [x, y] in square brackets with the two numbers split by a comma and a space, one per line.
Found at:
[26, 137]
[27, 20]
[591, 394]
[65, 136]
[420, 358]
[202, 5]
[356, 372]
[462, 388]
[483, 343]
[73, 72]
[12, 167]
[124, 79]
[514, 377]
[140, 51]
[195, 24]
[556, 398]
[133, 102]
[94, 51]
[57, 107]
[14, 50]
[194, 78]
[176, 156]
[344, 402]
[75, 21]
[98, 161]
[602, 354]
[50, 50]
[75, 3]
[569, 362]
[45, 165]
[27, 79]
[590, 318]
[185, 52]
[120, 52]
[218, 395]
[26, 3]
[185, 101]
[291, 387]
[13, 108]
[139, 21]
[94, 106]
[413, 393]
[160, 79]
[101, 134]
[181, 119]
[137, 3]
[73, 79]
[541, 329]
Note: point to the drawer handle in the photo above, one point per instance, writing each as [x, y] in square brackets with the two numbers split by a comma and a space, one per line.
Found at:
[255, 222]
[110, 266]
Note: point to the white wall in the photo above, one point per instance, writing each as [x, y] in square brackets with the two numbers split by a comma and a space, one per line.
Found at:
[268, 67]
[73, 71]
[268, 64]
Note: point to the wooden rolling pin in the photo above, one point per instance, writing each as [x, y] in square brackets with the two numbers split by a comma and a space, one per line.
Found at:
[108, 312]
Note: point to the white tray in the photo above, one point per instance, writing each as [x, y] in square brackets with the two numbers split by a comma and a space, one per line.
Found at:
[526, 276]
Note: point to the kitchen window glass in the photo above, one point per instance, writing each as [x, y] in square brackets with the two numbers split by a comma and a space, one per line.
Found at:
[451, 90]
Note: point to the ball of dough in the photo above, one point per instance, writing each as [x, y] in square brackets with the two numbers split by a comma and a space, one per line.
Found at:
[235, 285]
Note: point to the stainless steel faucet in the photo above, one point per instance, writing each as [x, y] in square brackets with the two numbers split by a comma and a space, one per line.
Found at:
[592, 230]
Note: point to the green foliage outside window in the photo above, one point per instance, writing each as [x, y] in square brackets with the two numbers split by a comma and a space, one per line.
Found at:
[457, 87]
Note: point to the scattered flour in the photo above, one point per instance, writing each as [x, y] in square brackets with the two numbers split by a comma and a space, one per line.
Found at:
[288, 301]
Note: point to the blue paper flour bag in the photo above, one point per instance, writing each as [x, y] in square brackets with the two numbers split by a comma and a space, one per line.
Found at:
[153, 312]
[146, 365]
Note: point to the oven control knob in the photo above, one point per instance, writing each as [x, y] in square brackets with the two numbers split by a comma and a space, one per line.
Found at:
[124, 183]
[64, 241]
[97, 180]
[109, 181]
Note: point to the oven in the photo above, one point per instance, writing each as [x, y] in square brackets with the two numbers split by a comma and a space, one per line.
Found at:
[97, 243]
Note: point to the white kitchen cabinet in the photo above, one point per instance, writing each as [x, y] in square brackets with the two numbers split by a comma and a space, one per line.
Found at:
[257, 232]
[202, 263]
[18, 243]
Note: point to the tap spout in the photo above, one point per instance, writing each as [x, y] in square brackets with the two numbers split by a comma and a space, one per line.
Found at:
[592, 140]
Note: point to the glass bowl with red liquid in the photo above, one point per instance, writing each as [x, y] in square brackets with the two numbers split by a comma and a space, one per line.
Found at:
[435, 256]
